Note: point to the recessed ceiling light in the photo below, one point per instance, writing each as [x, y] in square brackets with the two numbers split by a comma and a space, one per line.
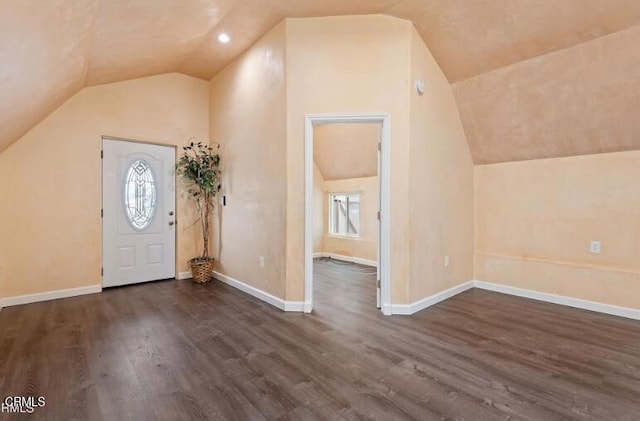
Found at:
[224, 38]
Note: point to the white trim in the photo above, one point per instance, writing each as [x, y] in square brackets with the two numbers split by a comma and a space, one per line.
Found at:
[628, 313]
[294, 306]
[385, 183]
[351, 259]
[347, 237]
[308, 214]
[407, 309]
[50, 295]
[259, 294]
[184, 275]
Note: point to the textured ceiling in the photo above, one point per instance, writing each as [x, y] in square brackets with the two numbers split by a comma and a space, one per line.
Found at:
[581, 100]
[471, 37]
[51, 49]
[344, 151]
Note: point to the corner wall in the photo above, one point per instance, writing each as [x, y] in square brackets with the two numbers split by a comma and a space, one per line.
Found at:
[535, 220]
[348, 64]
[440, 183]
[248, 117]
[50, 179]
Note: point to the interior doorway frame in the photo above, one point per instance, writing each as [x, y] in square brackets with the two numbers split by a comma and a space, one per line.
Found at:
[384, 178]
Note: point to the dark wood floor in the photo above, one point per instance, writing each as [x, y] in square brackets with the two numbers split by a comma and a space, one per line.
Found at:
[173, 350]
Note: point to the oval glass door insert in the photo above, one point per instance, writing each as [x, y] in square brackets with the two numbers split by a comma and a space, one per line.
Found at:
[140, 194]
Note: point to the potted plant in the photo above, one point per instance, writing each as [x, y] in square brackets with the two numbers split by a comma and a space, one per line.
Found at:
[199, 168]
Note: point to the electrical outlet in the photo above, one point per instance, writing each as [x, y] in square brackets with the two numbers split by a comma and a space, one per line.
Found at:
[595, 247]
[261, 261]
[447, 261]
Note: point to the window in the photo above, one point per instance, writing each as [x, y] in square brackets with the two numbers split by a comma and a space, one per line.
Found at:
[139, 194]
[344, 214]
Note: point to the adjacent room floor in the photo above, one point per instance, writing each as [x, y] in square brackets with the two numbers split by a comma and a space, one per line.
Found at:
[173, 350]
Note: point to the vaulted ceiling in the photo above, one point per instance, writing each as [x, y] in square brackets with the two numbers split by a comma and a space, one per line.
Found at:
[344, 151]
[51, 49]
[578, 101]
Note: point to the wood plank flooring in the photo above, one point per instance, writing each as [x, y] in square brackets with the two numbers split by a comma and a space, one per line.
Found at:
[173, 350]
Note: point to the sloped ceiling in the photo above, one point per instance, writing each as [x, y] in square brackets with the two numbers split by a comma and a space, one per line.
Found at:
[581, 100]
[44, 49]
[51, 49]
[344, 151]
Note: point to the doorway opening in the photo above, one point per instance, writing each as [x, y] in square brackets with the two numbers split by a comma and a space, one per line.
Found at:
[347, 202]
[138, 212]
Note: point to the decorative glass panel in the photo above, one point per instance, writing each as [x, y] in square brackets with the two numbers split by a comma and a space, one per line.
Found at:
[140, 194]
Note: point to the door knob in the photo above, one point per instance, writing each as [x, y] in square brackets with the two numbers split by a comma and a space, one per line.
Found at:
[170, 213]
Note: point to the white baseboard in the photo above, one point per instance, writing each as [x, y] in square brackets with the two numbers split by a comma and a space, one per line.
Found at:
[51, 295]
[294, 306]
[407, 309]
[399, 309]
[628, 313]
[307, 306]
[350, 259]
[184, 275]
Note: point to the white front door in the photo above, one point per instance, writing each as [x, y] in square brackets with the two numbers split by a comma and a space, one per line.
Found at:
[138, 219]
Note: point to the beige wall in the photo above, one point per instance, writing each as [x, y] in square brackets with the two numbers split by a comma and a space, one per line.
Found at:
[440, 183]
[355, 64]
[50, 179]
[366, 245]
[535, 219]
[248, 118]
[346, 65]
[367, 64]
[581, 100]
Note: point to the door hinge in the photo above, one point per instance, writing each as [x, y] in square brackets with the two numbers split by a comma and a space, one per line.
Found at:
[101, 154]
[378, 215]
[102, 271]
[379, 146]
[378, 283]
[101, 213]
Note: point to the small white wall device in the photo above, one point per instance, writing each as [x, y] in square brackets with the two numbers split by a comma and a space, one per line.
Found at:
[419, 86]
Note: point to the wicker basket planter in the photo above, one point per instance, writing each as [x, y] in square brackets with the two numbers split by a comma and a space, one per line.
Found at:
[201, 269]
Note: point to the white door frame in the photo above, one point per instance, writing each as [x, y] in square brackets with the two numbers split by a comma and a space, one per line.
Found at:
[385, 183]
